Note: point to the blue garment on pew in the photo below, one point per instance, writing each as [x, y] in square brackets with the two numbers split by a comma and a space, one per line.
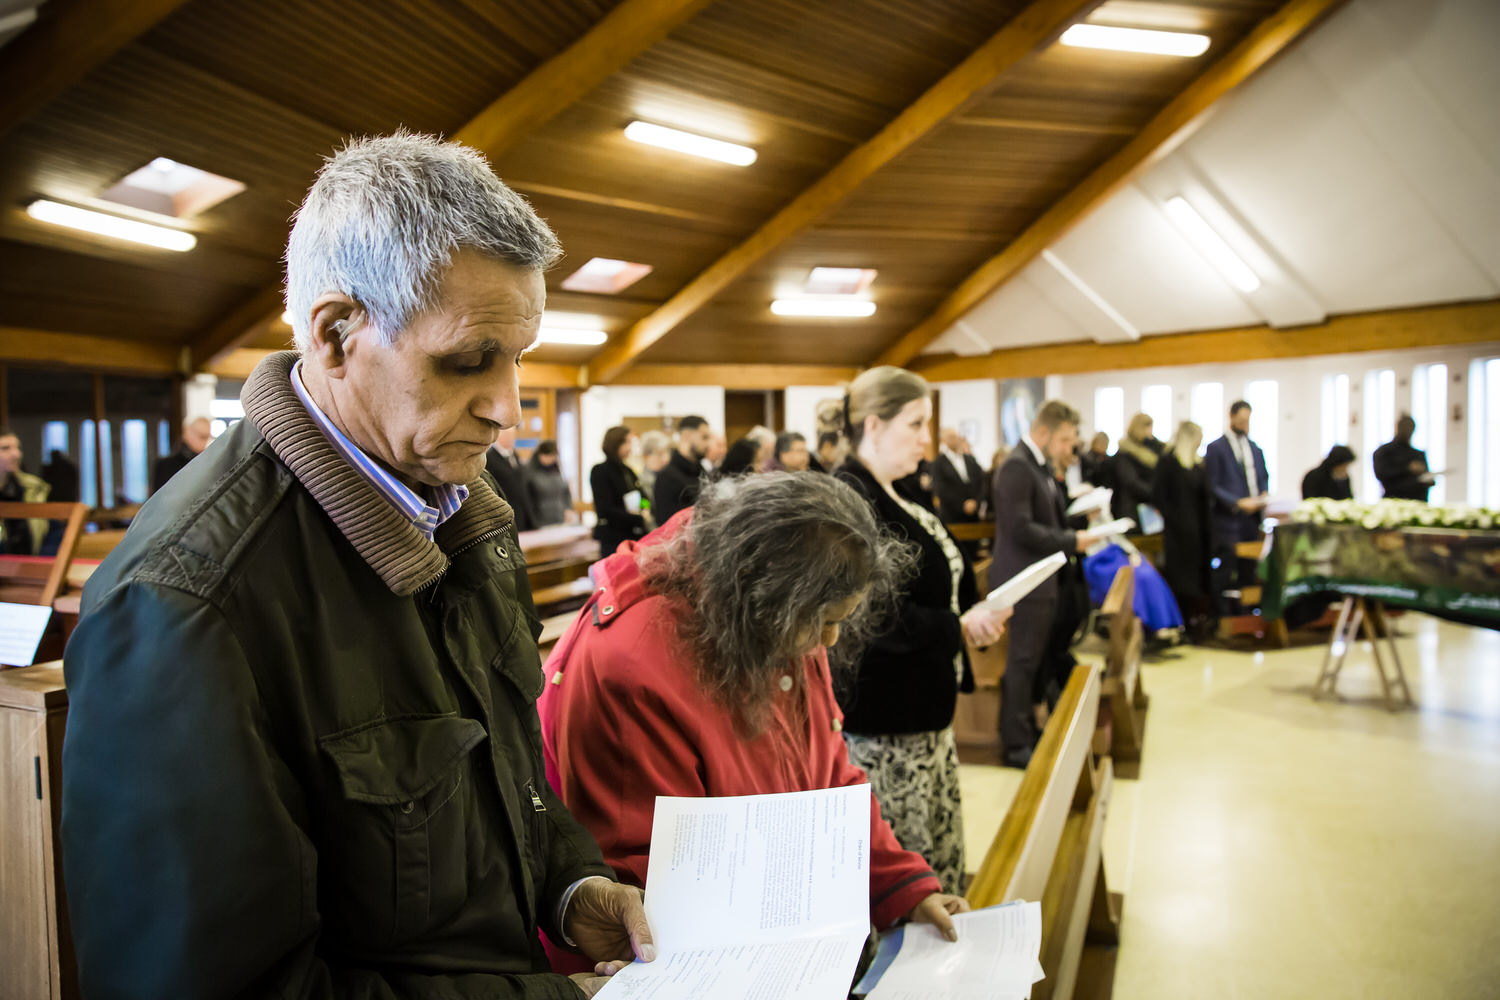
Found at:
[1154, 604]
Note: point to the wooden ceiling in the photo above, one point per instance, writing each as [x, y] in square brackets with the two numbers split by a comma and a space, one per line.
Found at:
[261, 92]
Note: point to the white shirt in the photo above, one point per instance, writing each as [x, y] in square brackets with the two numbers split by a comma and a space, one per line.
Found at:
[957, 461]
[1246, 454]
[1036, 450]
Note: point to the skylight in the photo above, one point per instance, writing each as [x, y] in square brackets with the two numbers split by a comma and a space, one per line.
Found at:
[166, 187]
[605, 276]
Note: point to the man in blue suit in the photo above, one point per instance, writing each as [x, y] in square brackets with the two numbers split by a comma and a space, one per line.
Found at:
[1237, 475]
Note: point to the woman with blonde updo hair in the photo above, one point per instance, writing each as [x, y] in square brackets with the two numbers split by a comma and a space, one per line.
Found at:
[898, 704]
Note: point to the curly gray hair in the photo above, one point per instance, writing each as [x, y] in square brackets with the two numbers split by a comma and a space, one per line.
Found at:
[384, 218]
[764, 560]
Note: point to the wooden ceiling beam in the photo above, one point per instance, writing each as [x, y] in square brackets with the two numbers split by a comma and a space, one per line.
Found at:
[1159, 136]
[624, 33]
[249, 319]
[1037, 25]
[737, 376]
[86, 352]
[69, 39]
[1388, 330]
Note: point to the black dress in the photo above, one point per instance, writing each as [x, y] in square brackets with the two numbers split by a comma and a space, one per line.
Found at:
[1186, 505]
[611, 481]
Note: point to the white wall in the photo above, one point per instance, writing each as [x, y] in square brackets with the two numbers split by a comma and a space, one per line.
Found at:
[977, 400]
[603, 407]
[1300, 402]
[802, 408]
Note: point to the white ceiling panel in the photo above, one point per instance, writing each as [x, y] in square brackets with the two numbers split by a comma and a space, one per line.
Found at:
[1133, 257]
[1359, 172]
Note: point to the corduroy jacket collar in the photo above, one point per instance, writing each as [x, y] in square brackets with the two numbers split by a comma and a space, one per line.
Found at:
[393, 547]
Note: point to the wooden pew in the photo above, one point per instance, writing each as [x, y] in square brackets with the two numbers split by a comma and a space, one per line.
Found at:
[1252, 624]
[1123, 690]
[1049, 848]
[42, 580]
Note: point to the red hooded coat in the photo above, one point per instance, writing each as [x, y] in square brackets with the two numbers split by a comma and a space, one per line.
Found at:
[625, 719]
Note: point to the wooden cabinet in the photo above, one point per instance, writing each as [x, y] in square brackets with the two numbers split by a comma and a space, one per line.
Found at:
[36, 956]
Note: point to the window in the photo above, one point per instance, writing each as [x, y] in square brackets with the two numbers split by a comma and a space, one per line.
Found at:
[1429, 408]
[1335, 422]
[107, 449]
[1156, 403]
[1207, 409]
[1109, 411]
[135, 460]
[1380, 423]
[54, 438]
[1264, 419]
[163, 438]
[89, 488]
[1484, 432]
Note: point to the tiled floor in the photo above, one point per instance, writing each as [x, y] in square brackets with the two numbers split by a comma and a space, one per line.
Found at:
[1275, 847]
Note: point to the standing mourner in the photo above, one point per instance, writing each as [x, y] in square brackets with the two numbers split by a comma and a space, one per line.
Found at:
[1181, 492]
[197, 432]
[347, 797]
[898, 705]
[619, 502]
[1239, 480]
[1133, 468]
[1031, 523]
[509, 473]
[677, 482]
[551, 499]
[20, 536]
[961, 486]
[1401, 467]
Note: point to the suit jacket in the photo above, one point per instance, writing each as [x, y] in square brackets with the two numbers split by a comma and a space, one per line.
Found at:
[1226, 480]
[1393, 468]
[676, 487]
[510, 476]
[610, 481]
[1030, 520]
[952, 491]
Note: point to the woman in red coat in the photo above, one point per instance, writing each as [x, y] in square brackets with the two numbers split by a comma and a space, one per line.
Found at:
[701, 668]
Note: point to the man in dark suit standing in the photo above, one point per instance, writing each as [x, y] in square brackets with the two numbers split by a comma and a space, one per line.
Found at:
[502, 462]
[677, 482]
[1031, 524]
[197, 432]
[1238, 478]
[960, 485]
[1402, 467]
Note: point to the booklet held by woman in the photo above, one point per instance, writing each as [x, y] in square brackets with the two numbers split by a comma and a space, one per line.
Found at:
[1010, 593]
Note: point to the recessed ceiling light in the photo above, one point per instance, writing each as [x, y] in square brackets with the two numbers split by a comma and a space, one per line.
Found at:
[690, 143]
[839, 280]
[166, 187]
[111, 226]
[1211, 245]
[824, 305]
[1160, 43]
[606, 276]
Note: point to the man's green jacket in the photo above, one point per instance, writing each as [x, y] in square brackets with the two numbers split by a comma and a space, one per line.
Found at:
[302, 755]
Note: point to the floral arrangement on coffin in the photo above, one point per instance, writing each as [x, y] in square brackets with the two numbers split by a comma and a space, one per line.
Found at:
[1389, 514]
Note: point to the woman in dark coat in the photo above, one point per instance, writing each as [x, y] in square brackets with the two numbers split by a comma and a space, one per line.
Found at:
[1133, 468]
[899, 702]
[617, 494]
[1181, 493]
[551, 500]
[1331, 478]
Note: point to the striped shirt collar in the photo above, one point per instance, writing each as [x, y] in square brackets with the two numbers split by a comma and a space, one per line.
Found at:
[426, 517]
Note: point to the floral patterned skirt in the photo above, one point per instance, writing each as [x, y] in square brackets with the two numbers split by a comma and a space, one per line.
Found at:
[915, 780]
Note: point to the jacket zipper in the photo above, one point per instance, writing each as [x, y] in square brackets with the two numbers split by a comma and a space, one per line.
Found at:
[431, 586]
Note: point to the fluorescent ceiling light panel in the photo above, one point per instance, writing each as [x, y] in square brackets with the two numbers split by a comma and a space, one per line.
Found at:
[605, 276]
[690, 143]
[571, 338]
[1211, 245]
[1157, 43]
[111, 226]
[839, 280]
[841, 306]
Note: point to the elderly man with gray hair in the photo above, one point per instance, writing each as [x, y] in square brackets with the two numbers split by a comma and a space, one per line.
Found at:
[303, 757]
